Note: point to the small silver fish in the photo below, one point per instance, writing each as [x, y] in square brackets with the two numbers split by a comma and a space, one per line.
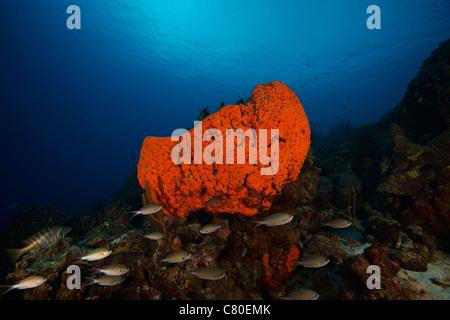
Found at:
[106, 280]
[27, 283]
[244, 252]
[148, 209]
[154, 236]
[211, 201]
[313, 261]
[114, 270]
[302, 294]
[178, 256]
[96, 254]
[337, 223]
[210, 228]
[208, 273]
[40, 240]
[276, 219]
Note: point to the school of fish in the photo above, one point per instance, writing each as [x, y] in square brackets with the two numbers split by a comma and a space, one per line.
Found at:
[114, 274]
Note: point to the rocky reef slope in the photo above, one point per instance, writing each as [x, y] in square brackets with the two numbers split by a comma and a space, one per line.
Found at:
[391, 179]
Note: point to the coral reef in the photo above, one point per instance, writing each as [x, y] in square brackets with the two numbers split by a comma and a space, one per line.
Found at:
[409, 260]
[398, 168]
[416, 171]
[390, 179]
[241, 188]
[24, 223]
[400, 162]
[397, 282]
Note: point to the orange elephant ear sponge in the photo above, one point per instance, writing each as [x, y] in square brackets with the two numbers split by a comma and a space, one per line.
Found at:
[244, 175]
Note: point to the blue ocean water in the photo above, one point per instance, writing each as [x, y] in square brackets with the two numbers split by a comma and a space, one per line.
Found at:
[77, 104]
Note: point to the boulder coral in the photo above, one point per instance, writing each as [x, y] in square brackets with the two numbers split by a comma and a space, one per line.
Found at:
[241, 188]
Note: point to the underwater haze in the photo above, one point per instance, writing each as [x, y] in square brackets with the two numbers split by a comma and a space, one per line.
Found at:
[77, 104]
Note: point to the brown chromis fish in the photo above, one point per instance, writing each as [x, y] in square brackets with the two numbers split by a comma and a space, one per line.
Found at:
[210, 228]
[27, 283]
[154, 236]
[178, 256]
[276, 219]
[337, 223]
[301, 294]
[208, 273]
[148, 209]
[96, 254]
[113, 270]
[313, 261]
[106, 280]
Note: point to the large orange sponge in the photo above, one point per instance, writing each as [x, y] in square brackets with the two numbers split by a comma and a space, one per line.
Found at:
[240, 188]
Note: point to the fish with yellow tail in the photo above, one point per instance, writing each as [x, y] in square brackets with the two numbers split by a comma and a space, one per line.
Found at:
[27, 283]
[40, 240]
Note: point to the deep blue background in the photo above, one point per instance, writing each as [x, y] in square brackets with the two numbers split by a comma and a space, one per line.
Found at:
[77, 104]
